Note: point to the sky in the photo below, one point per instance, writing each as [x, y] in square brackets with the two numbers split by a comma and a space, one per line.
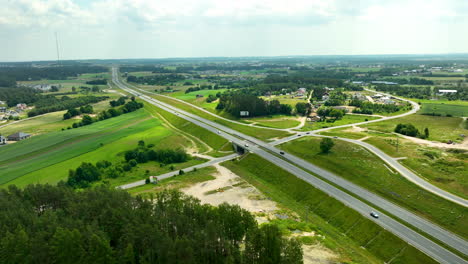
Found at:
[116, 29]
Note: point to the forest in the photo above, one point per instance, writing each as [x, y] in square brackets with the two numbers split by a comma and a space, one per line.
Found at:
[54, 224]
[234, 102]
[165, 79]
[51, 73]
[16, 95]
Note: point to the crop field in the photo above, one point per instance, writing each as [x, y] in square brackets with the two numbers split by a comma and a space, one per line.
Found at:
[47, 158]
[356, 239]
[444, 109]
[347, 119]
[371, 173]
[278, 121]
[440, 128]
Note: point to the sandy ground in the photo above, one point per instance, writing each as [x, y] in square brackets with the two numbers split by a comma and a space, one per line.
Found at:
[463, 145]
[113, 91]
[249, 198]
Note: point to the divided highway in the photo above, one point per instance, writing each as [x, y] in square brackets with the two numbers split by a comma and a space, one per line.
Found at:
[294, 165]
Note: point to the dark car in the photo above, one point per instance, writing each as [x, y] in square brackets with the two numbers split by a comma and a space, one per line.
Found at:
[374, 214]
[282, 152]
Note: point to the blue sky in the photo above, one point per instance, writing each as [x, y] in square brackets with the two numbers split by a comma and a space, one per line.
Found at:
[106, 29]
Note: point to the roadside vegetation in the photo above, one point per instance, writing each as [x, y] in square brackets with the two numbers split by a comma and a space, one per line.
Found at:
[355, 238]
[371, 173]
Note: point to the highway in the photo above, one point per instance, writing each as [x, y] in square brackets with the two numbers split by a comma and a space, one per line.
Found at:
[291, 163]
[408, 174]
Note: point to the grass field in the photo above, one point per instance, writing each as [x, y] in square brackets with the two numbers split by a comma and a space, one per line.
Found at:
[177, 182]
[47, 158]
[444, 109]
[443, 168]
[347, 119]
[371, 173]
[356, 239]
[440, 128]
[214, 141]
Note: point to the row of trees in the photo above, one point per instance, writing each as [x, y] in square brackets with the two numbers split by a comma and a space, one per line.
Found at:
[52, 104]
[54, 224]
[87, 109]
[370, 108]
[97, 82]
[106, 114]
[160, 79]
[406, 91]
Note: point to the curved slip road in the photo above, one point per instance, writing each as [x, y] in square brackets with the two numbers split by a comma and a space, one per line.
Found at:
[289, 162]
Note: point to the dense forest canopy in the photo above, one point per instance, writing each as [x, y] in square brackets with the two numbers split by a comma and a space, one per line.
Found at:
[51, 73]
[46, 224]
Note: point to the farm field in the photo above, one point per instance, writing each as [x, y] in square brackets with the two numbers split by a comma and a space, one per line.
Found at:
[47, 158]
[371, 173]
[444, 109]
[49, 122]
[441, 129]
[330, 218]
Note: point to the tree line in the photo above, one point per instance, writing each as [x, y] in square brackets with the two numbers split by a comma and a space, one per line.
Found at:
[160, 79]
[52, 73]
[52, 104]
[54, 224]
[16, 95]
[411, 130]
[87, 109]
[128, 107]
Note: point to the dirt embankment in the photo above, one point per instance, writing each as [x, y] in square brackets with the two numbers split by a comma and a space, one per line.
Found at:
[230, 188]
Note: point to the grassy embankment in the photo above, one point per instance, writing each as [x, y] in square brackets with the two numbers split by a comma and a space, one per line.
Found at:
[204, 138]
[263, 134]
[345, 231]
[47, 158]
[363, 168]
[441, 129]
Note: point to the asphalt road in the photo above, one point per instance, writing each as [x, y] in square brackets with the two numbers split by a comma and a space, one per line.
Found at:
[289, 162]
[174, 173]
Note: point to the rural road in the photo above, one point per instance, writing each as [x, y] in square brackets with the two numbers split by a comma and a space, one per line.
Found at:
[174, 173]
[291, 163]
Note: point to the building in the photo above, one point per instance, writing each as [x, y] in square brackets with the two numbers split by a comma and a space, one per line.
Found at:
[325, 97]
[2, 140]
[3, 109]
[447, 91]
[18, 136]
[199, 95]
[21, 106]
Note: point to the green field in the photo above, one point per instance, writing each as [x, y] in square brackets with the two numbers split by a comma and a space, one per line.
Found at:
[444, 109]
[442, 167]
[213, 141]
[177, 182]
[347, 119]
[356, 239]
[259, 133]
[440, 128]
[47, 158]
[371, 173]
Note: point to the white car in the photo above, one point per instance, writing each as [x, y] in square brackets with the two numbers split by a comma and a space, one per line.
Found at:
[374, 214]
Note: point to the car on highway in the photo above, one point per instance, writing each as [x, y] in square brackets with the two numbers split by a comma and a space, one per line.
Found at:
[282, 152]
[219, 132]
[246, 145]
[374, 214]
[308, 133]
[335, 137]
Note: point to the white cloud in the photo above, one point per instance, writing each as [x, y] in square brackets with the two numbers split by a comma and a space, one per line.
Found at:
[113, 28]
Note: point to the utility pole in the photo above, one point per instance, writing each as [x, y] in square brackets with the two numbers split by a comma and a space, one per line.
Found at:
[397, 143]
[57, 48]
